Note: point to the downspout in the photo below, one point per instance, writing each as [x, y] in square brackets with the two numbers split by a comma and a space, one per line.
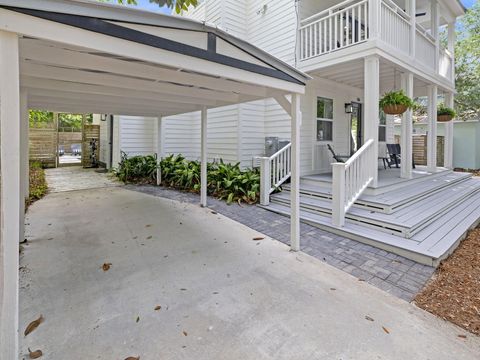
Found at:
[110, 142]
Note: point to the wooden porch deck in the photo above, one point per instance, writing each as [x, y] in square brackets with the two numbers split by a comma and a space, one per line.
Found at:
[423, 219]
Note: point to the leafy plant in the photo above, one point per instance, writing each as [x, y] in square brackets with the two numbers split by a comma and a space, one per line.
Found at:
[137, 169]
[444, 110]
[396, 98]
[38, 184]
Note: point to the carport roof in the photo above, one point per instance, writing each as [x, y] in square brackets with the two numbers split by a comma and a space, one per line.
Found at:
[95, 57]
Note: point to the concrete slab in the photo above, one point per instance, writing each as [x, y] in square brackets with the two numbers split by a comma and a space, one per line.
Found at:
[223, 295]
[77, 178]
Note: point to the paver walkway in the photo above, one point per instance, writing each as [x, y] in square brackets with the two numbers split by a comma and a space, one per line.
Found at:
[392, 273]
[222, 295]
[70, 178]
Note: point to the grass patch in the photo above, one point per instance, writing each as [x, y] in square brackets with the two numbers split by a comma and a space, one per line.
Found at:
[38, 183]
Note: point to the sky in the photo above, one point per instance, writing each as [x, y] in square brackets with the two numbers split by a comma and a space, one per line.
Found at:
[468, 3]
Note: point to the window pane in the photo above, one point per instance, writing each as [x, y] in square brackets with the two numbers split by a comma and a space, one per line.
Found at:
[324, 108]
[382, 133]
[324, 130]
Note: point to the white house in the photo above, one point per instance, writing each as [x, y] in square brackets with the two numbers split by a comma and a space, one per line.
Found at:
[355, 51]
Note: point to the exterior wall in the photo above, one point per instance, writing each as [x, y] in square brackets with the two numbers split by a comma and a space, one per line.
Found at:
[466, 142]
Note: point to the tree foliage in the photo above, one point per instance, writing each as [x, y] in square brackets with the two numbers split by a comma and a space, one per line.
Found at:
[178, 5]
[467, 64]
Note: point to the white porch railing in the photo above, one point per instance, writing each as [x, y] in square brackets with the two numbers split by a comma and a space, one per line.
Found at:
[446, 64]
[395, 26]
[425, 47]
[274, 171]
[350, 179]
[340, 26]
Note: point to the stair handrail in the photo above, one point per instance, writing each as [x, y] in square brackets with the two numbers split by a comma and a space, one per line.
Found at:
[274, 171]
[350, 179]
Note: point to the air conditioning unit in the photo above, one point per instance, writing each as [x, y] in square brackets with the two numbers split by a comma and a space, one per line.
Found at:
[271, 145]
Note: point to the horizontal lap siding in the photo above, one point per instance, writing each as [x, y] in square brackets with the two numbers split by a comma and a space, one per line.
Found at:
[252, 137]
[182, 135]
[137, 135]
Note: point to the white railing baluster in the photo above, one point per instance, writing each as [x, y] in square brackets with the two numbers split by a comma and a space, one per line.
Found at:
[350, 179]
[274, 171]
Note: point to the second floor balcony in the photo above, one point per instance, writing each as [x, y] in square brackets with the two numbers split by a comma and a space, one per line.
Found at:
[396, 30]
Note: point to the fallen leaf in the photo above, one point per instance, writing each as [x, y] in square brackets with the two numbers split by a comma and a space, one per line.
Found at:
[257, 238]
[20, 249]
[361, 279]
[158, 307]
[138, 319]
[149, 237]
[385, 329]
[35, 354]
[183, 289]
[462, 336]
[33, 325]
[213, 212]
[371, 319]
[24, 241]
[333, 289]
[149, 225]
[106, 266]
[133, 358]
[185, 333]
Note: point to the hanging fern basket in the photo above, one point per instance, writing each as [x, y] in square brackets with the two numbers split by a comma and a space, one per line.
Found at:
[395, 109]
[444, 118]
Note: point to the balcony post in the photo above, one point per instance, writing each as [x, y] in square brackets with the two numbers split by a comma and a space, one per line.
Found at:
[448, 146]
[407, 125]
[372, 94]
[451, 47]
[432, 129]
[435, 20]
[411, 10]
[374, 19]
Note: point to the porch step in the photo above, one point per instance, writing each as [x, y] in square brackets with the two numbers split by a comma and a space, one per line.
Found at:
[405, 222]
[429, 246]
[392, 201]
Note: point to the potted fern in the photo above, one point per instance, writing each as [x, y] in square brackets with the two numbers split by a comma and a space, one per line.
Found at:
[445, 113]
[395, 102]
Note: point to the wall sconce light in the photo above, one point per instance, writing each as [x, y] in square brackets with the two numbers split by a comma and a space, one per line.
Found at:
[348, 108]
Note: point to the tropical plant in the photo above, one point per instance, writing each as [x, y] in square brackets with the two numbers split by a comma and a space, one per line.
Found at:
[444, 110]
[396, 98]
[141, 169]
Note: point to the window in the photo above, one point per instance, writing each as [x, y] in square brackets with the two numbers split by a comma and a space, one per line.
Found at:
[324, 119]
[382, 128]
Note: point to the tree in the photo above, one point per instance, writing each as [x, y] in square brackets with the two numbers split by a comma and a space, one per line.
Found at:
[467, 65]
[178, 5]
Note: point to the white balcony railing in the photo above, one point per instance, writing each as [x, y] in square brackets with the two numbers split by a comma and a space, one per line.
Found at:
[274, 171]
[350, 179]
[395, 26]
[335, 28]
[424, 47]
[446, 64]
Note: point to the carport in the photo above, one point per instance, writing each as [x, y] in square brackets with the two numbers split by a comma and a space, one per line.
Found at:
[82, 56]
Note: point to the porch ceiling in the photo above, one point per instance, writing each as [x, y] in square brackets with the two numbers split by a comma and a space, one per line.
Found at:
[352, 74]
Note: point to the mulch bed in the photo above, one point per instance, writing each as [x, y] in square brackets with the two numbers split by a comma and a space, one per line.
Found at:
[454, 291]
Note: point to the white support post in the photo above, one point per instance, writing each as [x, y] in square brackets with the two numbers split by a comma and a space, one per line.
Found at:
[372, 95]
[159, 149]
[265, 180]
[435, 20]
[451, 47]
[374, 19]
[432, 129]
[203, 170]
[24, 131]
[411, 10]
[11, 199]
[407, 130]
[296, 120]
[448, 146]
[338, 194]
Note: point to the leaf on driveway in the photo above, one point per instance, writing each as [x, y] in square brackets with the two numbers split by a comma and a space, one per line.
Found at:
[184, 333]
[385, 329]
[158, 307]
[106, 266]
[148, 225]
[33, 325]
[149, 237]
[370, 319]
[133, 358]
[138, 319]
[462, 336]
[34, 354]
[257, 238]
[333, 289]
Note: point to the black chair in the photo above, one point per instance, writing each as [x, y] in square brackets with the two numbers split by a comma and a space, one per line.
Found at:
[395, 153]
[338, 158]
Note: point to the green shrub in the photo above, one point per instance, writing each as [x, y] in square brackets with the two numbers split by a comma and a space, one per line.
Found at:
[38, 185]
[396, 98]
[444, 110]
[224, 181]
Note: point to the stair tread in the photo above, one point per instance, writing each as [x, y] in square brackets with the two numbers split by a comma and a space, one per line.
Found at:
[409, 217]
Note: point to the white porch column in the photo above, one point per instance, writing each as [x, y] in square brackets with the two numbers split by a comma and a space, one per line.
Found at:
[411, 6]
[448, 146]
[374, 19]
[451, 46]
[203, 170]
[11, 199]
[24, 131]
[159, 148]
[296, 121]
[434, 21]
[432, 129]
[407, 130]
[372, 94]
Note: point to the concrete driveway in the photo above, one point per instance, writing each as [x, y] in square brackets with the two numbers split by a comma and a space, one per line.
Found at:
[222, 294]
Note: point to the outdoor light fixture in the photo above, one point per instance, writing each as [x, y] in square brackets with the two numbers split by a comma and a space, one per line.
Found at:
[348, 108]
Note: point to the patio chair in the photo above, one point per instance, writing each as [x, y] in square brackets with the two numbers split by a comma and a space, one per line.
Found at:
[338, 158]
[76, 149]
[395, 153]
[61, 150]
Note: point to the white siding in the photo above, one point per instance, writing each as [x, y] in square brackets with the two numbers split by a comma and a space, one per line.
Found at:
[137, 135]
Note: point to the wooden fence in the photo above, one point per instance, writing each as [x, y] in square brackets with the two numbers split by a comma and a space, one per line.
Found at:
[67, 139]
[420, 149]
[43, 146]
